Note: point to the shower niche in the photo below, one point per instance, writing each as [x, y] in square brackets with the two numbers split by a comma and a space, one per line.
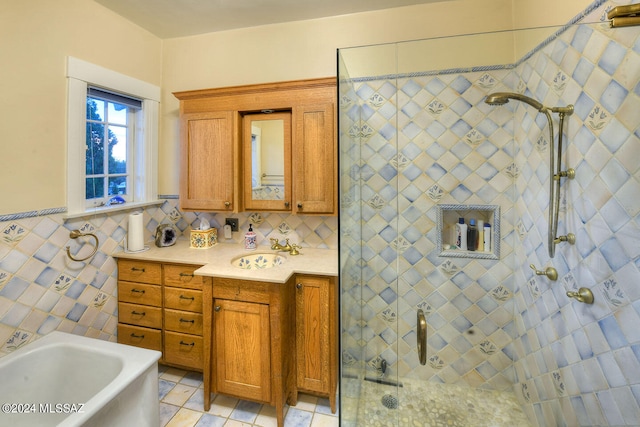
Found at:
[448, 216]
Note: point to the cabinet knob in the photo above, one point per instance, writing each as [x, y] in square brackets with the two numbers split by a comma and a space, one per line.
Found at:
[227, 204]
[217, 308]
[286, 204]
[299, 205]
[299, 285]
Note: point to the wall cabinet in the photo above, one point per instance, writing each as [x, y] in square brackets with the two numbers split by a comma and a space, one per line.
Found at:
[316, 336]
[218, 158]
[251, 325]
[206, 165]
[160, 308]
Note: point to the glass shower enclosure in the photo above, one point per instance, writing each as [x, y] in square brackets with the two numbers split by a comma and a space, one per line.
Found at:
[420, 150]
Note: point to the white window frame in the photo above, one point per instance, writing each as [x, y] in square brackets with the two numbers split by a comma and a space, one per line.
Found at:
[144, 185]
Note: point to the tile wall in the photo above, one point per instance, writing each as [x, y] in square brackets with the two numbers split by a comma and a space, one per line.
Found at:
[42, 290]
[426, 139]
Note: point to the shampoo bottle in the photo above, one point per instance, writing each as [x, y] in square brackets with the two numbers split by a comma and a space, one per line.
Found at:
[487, 238]
[472, 235]
[250, 238]
[461, 234]
[480, 242]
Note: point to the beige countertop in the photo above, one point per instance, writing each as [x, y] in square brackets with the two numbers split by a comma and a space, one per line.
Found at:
[216, 261]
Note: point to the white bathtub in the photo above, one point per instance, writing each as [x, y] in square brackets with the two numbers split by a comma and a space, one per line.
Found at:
[70, 380]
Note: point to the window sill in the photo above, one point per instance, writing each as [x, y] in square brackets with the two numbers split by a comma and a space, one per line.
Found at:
[111, 209]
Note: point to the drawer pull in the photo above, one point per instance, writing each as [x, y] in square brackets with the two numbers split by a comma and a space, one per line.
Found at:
[187, 320]
[136, 336]
[135, 313]
[187, 274]
[187, 344]
[189, 298]
[137, 269]
[138, 291]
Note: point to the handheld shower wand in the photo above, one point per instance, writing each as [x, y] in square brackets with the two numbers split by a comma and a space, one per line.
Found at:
[501, 98]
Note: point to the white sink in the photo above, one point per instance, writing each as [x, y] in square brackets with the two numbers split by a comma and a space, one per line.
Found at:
[258, 261]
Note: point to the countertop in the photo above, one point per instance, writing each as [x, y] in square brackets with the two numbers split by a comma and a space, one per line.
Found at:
[216, 261]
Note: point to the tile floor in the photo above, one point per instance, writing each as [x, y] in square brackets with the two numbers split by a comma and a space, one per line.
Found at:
[181, 405]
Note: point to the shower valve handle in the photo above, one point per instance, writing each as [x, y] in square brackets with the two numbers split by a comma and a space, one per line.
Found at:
[550, 272]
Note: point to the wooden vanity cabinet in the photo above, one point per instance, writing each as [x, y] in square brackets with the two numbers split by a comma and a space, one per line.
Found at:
[213, 164]
[183, 343]
[140, 304]
[317, 336]
[252, 328]
[160, 308]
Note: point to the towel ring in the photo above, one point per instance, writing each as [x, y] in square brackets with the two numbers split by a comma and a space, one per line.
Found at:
[74, 234]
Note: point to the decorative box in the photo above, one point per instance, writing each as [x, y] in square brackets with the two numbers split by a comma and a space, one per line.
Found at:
[203, 239]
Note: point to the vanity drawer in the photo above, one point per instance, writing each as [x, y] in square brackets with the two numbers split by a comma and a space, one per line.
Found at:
[183, 299]
[140, 337]
[141, 315]
[181, 276]
[183, 349]
[183, 321]
[139, 271]
[140, 293]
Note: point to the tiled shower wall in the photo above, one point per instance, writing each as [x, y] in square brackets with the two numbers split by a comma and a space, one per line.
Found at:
[428, 139]
[42, 290]
[579, 364]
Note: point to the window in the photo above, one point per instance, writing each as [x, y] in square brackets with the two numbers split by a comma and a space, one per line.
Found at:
[109, 139]
[112, 139]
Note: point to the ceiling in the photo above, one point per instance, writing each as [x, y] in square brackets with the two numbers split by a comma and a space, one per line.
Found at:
[178, 18]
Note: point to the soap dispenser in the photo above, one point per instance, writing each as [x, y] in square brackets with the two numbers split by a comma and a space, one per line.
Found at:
[250, 238]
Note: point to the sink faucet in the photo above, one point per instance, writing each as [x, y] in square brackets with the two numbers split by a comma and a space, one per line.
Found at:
[292, 249]
[275, 245]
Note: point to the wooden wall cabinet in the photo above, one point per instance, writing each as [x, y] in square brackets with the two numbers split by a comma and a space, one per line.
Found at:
[160, 308]
[214, 161]
[316, 336]
[251, 325]
[207, 161]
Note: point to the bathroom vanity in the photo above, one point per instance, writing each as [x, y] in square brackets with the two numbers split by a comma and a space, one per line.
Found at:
[260, 334]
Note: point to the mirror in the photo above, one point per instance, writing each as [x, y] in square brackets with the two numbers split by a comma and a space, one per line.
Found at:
[267, 161]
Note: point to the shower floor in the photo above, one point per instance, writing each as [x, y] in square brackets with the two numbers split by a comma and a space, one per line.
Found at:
[425, 404]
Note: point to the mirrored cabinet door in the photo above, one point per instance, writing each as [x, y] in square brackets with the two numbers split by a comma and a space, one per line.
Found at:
[266, 153]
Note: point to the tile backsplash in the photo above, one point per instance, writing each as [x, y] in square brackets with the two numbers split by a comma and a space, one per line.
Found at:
[42, 290]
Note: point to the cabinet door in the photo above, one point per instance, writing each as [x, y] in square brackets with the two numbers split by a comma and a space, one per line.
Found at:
[313, 333]
[242, 349]
[314, 160]
[207, 161]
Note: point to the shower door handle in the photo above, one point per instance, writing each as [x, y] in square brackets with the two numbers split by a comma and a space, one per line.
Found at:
[422, 338]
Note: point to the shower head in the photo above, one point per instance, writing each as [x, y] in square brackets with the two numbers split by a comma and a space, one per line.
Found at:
[501, 98]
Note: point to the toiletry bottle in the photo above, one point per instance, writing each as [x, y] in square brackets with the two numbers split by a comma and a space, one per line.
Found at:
[472, 235]
[480, 242]
[250, 238]
[487, 238]
[461, 234]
